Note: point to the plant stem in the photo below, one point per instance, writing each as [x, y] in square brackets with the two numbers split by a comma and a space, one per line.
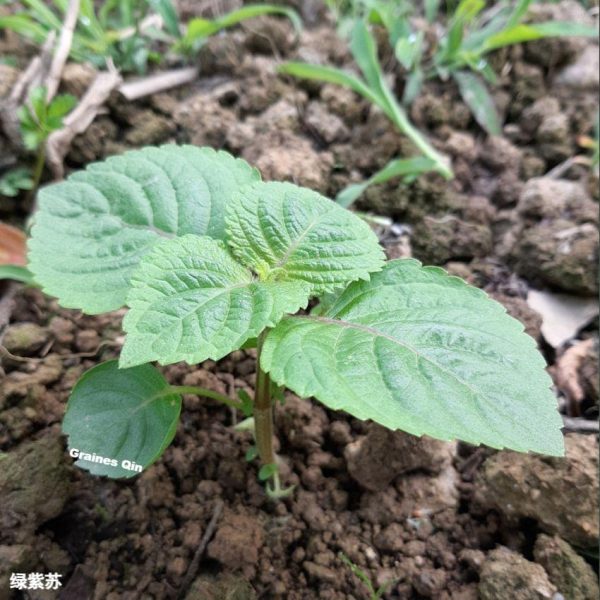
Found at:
[198, 391]
[38, 170]
[402, 122]
[263, 426]
[263, 412]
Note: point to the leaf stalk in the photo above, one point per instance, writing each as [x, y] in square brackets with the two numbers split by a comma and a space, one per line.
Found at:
[206, 393]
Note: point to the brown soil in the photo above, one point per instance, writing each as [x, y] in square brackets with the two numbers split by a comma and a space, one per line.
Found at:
[433, 520]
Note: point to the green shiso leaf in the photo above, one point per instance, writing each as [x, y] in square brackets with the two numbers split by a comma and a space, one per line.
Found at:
[91, 231]
[287, 233]
[121, 415]
[418, 350]
[190, 300]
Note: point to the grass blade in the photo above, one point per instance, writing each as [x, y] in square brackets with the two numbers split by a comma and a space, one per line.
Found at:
[479, 101]
[329, 75]
[518, 13]
[537, 31]
[412, 87]
[432, 9]
[168, 12]
[16, 273]
[24, 25]
[465, 13]
[43, 14]
[401, 167]
[377, 91]
[201, 28]
[364, 51]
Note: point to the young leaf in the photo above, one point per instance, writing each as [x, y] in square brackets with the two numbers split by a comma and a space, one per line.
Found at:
[121, 415]
[329, 75]
[37, 101]
[17, 273]
[251, 454]
[287, 233]
[190, 300]
[247, 403]
[199, 28]
[401, 167]
[479, 101]
[267, 471]
[364, 51]
[408, 49]
[413, 86]
[14, 181]
[91, 231]
[465, 12]
[58, 108]
[432, 8]
[168, 12]
[418, 350]
[536, 31]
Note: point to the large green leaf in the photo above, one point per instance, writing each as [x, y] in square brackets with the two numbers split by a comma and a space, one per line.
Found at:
[121, 415]
[287, 233]
[418, 350]
[92, 230]
[190, 300]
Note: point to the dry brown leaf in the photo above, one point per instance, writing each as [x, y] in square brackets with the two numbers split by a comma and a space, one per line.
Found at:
[563, 316]
[13, 248]
[566, 374]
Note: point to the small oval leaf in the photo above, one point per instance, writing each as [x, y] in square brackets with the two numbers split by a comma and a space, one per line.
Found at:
[267, 471]
[120, 416]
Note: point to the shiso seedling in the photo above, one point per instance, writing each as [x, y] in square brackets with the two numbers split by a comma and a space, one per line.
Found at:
[209, 259]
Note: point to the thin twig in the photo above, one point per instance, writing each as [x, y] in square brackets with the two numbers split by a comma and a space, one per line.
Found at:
[63, 49]
[150, 21]
[79, 119]
[35, 71]
[133, 90]
[28, 80]
[32, 359]
[195, 564]
[8, 290]
[580, 425]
